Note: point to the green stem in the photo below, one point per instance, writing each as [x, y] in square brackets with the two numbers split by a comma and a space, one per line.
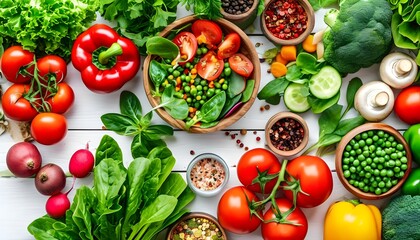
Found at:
[114, 50]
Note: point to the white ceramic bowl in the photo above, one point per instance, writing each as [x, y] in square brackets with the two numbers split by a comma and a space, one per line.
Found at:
[196, 162]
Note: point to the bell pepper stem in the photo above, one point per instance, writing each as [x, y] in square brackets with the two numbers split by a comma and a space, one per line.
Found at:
[355, 202]
[114, 50]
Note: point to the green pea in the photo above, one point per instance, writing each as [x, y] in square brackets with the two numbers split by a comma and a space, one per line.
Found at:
[204, 50]
[348, 148]
[352, 169]
[199, 88]
[189, 100]
[224, 86]
[227, 71]
[399, 146]
[199, 52]
[176, 73]
[378, 191]
[404, 167]
[187, 78]
[390, 173]
[369, 141]
[352, 142]
[217, 85]
[365, 135]
[381, 133]
[346, 154]
[356, 162]
[226, 65]
[383, 172]
[347, 174]
[187, 89]
[362, 143]
[193, 91]
[375, 138]
[188, 65]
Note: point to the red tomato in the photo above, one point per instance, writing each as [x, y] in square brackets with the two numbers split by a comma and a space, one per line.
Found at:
[257, 162]
[49, 128]
[207, 32]
[229, 46]
[315, 179]
[50, 68]
[233, 211]
[285, 231]
[16, 64]
[209, 67]
[241, 64]
[407, 105]
[62, 100]
[187, 44]
[16, 105]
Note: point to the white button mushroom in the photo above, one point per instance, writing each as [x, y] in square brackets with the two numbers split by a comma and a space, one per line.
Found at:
[374, 101]
[398, 70]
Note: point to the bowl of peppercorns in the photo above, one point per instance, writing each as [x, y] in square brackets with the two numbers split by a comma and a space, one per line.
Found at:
[240, 12]
[373, 161]
[287, 22]
[286, 134]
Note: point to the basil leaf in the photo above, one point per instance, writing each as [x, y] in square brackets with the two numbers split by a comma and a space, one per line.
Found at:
[329, 119]
[146, 120]
[108, 148]
[130, 105]
[117, 122]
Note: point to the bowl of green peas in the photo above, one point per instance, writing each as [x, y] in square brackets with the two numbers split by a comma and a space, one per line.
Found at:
[201, 75]
[373, 161]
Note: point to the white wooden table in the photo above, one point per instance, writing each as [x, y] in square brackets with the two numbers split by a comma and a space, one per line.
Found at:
[20, 203]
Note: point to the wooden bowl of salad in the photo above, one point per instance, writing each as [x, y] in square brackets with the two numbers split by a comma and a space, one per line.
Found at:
[210, 83]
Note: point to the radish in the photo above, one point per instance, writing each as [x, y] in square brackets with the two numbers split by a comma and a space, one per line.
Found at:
[23, 159]
[81, 163]
[50, 179]
[58, 204]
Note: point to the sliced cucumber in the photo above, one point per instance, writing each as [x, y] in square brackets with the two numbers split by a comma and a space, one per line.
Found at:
[294, 98]
[326, 83]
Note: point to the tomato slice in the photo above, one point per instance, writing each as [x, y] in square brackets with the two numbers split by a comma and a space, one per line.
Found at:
[207, 32]
[187, 44]
[241, 64]
[229, 46]
[210, 67]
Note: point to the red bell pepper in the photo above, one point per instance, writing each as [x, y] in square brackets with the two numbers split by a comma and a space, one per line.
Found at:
[105, 60]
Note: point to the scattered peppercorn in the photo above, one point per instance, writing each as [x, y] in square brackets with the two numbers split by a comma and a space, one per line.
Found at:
[254, 132]
[192, 152]
[262, 108]
[286, 134]
[258, 139]
[227, 133]
[285, 19]
[237, 7]
[246, 148]
[243, 131]
[238, 141]
[267, 107]
[241, 145]
[258, 44]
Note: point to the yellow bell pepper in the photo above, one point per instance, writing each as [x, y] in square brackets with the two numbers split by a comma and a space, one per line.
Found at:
[352, 220]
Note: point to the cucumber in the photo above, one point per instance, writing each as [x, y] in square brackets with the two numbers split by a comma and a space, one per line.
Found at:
[326, 83]
[294, 98]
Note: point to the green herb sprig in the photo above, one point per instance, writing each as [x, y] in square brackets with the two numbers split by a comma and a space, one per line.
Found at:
[332, 123]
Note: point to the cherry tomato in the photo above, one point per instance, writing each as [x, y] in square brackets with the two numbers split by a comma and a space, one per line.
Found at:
[229, 46]
[207, 32]
[233, 211]
[241, 64]
[62, 100]
[407, 105]
[49, 128]
[209, 67]
[52, 67]
[258, 162]
[285, 231]
[16, 105]
[315, 179]
[16, 64]
[187, 44]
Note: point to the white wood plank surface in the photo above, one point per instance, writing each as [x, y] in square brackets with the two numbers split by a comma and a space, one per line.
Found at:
[20, 203]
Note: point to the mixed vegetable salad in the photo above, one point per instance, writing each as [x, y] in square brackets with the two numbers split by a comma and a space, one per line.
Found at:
[200, 75]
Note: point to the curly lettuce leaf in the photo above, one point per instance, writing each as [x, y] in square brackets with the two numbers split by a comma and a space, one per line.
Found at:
[45, 26]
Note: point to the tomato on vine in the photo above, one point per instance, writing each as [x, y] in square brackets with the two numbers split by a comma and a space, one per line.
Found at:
[314, 178]
[17, 103]
[235, 213]
[258, 164]
[51, 68]
[61, 101]
[17, 64]
[293, 227]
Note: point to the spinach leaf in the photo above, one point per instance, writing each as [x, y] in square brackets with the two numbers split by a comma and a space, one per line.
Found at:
[307, 63]
[83, 203]
[142, 145]
[158, 74]
[209, 125]
[273, 88]
[167, 162]
[352, 88]
[329, 119]
[43, 228]
[230, 102]
[347, 125]
[108, 148]
[176, 107]
[118, 123]
[293, 73]
[162, 47]
[130, 105]
[247, 93]
[210, 110]
[320, 105]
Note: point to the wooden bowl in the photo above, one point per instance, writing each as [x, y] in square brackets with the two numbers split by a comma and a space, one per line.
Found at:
[245, 19]
[339, 163]
[247, 48]
[282, 115]
[195, 215]
[294, 41]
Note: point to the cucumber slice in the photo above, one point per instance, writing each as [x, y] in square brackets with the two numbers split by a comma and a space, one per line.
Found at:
[326, 83]
[294, 98]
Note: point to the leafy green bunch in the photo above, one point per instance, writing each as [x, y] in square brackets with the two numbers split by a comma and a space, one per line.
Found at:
[44, 26]
[124, 203]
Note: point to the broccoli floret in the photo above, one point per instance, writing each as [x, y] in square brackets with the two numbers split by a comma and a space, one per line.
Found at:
[359, 34]
[400, 218]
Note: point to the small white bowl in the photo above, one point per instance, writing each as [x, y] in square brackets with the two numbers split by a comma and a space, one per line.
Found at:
[220, 165]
